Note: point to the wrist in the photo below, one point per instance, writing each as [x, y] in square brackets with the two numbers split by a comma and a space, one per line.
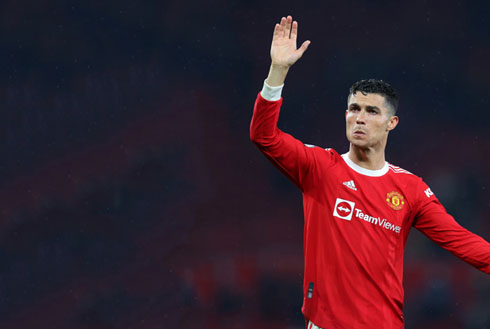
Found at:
[277, 75]
[271, 93]
[280, 67]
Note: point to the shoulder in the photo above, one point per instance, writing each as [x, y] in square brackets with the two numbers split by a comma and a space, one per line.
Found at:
[411, 181]
[414, 184]
[322, 150]
[324, 154]
[331, 151]
[398, 170]
[404, 175]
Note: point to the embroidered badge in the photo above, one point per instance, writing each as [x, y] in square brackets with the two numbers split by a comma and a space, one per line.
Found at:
[395, 200]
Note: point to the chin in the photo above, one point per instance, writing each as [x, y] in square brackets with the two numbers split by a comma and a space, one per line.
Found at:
[359, 143]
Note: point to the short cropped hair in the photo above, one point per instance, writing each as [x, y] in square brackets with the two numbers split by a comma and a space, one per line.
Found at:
[373, 86]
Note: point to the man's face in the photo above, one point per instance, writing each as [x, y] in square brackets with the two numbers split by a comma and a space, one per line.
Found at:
[368, 120]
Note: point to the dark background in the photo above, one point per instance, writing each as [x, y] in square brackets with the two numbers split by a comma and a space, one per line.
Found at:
[132, 197]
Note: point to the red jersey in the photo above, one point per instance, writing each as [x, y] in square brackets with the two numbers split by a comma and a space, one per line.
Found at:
[356, 226]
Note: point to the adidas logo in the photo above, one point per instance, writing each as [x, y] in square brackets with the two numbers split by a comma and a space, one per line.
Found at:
[350, 184]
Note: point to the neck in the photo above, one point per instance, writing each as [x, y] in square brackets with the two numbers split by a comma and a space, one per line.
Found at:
[369, 158]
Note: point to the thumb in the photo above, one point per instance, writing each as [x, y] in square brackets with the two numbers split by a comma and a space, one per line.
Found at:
[304, 46]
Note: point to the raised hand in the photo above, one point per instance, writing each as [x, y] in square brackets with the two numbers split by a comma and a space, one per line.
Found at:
[283, 48]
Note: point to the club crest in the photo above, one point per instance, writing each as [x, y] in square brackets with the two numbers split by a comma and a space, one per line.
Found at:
[395, 200]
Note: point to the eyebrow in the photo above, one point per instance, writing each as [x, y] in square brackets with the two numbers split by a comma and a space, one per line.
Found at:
[373, 108]
[369, 107]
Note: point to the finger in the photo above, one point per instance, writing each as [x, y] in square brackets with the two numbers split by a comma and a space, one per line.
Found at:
[303, 47]
[294, 31]
[283, 26]
[277, 31]
[289, 20]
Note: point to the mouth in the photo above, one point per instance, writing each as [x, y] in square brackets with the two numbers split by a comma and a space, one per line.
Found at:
[359, 133]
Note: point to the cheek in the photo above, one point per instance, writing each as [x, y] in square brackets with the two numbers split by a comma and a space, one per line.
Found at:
[382, 127]
[349, 119]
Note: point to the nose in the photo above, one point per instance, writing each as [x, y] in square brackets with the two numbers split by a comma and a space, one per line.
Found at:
[360, 119]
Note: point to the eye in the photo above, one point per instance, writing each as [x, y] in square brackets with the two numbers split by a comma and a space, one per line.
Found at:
[372, 111]
[354, 108]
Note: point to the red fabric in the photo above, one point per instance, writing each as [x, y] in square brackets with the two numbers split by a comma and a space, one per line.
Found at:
[354, 239]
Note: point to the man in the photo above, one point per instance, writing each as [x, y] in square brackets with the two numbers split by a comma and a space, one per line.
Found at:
[358, 208]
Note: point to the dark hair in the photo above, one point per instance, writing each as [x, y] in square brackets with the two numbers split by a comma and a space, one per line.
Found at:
[373, 86]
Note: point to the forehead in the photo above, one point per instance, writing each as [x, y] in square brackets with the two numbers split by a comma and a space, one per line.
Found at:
[366, 100]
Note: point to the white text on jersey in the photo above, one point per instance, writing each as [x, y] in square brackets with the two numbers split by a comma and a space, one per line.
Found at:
[345, 209]
[377, 220]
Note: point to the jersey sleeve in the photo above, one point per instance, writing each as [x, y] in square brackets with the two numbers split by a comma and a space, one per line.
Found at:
[433, 221]
[293, 158]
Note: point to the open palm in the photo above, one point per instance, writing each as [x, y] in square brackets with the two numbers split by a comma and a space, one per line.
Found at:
[283, 48]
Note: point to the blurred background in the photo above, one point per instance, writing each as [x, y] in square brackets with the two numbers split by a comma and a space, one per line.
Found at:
[132, 197]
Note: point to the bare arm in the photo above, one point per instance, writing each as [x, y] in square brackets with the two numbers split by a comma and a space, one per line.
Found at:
[283, 50]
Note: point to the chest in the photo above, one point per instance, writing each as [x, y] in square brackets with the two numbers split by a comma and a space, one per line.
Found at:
[378, 204]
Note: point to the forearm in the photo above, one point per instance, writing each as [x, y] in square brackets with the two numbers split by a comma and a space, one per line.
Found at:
[469, 247]
[447, 233]
[288, 154]
[263, 127]
[277, 75]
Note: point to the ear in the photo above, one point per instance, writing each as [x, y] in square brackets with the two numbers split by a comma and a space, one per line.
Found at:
[392, 123]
